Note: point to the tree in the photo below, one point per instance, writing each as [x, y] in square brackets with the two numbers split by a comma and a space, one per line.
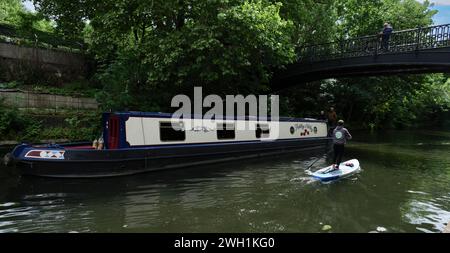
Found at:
[393, 101]
[366, 17]
[10, 11]
[314, 21]
[149, 51]
[226, 46]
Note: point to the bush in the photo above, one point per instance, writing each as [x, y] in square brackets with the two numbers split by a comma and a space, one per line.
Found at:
[15, 125]
[9, 85]
[20, 126]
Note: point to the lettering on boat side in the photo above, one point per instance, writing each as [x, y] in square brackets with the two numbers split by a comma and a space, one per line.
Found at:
[304, 126]
[305, 129]
[201, 129]
[46, 154]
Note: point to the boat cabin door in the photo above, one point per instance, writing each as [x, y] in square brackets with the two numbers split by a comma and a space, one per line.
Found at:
[113, 132]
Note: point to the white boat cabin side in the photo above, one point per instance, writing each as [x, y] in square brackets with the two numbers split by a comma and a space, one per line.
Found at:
[123, 130]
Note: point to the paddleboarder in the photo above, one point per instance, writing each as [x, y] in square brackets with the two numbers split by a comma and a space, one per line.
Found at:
[340, 137]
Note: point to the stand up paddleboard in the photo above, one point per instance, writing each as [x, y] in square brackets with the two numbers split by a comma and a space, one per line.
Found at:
[345, 169]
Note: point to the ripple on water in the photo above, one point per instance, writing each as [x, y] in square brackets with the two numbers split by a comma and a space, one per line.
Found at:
[49, 195]
[417, 192]
[9, 230]
[8, 204]
[304, 180]
[429, 214]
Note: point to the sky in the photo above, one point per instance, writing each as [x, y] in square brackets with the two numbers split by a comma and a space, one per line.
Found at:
[443, 16]
[443, 6]
[28, 5]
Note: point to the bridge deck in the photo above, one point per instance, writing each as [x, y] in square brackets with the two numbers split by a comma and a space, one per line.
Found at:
[421, 50]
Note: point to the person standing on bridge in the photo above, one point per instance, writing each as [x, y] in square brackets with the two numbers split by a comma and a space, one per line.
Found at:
[340, 137]
[385, 36]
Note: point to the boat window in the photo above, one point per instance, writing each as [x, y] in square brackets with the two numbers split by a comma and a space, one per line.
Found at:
[225, 131]
[262, 131]
[292, 130]
[169, 131]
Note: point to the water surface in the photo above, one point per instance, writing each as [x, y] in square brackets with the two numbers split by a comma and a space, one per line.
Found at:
[404, 186]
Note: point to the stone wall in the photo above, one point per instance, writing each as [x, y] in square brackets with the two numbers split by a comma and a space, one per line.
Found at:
[54, 66]
[28, 100]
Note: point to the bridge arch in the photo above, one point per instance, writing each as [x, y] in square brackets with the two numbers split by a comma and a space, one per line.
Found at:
[421, 50]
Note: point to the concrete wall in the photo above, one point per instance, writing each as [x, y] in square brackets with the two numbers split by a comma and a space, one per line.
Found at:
[56, 65]
[28, 100]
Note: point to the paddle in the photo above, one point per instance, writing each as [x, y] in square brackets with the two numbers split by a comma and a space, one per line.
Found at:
[328, 170]
[317, 160]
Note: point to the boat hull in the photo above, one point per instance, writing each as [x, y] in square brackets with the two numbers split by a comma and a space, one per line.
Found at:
[109, 163]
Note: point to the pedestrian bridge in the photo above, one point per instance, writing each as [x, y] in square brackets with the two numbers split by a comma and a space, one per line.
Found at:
[420, 50]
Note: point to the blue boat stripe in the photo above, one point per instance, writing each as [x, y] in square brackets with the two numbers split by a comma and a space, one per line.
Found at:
[203, 144]
[286, 149]
[169, 115]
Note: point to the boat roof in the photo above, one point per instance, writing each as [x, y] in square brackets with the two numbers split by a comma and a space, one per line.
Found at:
[197, 116]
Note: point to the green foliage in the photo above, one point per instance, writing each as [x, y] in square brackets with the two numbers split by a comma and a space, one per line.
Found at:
[224, 46]
[69, 15]
[390, 102]
[78, 88]
[78, 127]
[86, 126]
[32, 131]
[34, 21]
[376, 102]
[23, 27]
[366, 17]
[14, 125]
[119, 78]
[313, 21]
[149, 51]
[10, 11]
[13, 12]
[23, 126]
[10, 85]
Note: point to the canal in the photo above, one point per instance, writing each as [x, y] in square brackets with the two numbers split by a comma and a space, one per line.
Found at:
[404, 186]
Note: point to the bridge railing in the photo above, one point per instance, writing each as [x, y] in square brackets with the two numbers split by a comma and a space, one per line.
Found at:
[421, 38]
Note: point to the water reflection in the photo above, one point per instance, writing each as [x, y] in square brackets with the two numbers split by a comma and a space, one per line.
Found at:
[403, 187]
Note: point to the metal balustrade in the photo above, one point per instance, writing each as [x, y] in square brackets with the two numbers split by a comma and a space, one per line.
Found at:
[421, 38]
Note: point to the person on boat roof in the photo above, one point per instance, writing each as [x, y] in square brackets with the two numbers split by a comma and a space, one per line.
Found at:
[340, 137]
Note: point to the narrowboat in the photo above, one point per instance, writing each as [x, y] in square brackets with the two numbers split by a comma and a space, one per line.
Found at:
[137, 142]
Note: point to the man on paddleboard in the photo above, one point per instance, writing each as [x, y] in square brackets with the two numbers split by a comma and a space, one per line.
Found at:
[340, 137]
